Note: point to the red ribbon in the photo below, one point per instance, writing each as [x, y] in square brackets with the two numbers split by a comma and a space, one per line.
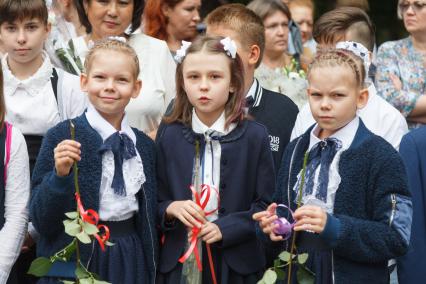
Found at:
[92, 217]
[201, 199]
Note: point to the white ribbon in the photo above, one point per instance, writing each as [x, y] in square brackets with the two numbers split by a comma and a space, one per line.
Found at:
[181, 52]
[229, 46]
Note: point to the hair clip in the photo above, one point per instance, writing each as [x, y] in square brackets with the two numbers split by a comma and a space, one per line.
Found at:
[359, 50]
[229, 46]
[181, 52]
[118, 38]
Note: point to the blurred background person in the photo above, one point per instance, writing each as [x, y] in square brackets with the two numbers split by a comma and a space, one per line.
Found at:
[172, 21]
[401, 65]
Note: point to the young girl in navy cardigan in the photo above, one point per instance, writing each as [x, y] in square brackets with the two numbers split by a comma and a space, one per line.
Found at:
[207, 143]
[116, 174]
[356, 208]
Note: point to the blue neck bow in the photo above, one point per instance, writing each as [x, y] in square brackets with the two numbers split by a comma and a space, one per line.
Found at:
[123, 148]
[321, 154]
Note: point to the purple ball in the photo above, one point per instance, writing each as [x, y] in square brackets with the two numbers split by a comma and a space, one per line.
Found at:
[284, 227]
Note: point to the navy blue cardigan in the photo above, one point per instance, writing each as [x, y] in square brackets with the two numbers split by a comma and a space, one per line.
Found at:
[363, 232]
[52, 196]
[247, 181]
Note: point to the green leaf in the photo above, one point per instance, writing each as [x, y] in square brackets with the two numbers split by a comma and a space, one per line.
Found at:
[261, 281]
[68, 282]
[72, 215]
[40, 266]
[71, 228]
[81, 273]
[270, 276]
[304, 277]
[83, 237]
[284, 256]
[90, 229]
[280, 274]
[86, 281]
[100, 282]
[277, 263]
[302, 258]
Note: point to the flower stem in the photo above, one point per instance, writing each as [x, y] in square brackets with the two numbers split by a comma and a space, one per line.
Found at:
[299, 202]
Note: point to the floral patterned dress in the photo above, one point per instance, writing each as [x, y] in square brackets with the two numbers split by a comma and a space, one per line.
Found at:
[409, 65]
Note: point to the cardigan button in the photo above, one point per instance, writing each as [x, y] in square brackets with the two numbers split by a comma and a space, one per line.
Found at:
[222, 210]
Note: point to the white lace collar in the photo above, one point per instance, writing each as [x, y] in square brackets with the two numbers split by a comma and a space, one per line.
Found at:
[33, 85]
[104, 128]
[346, 134]
[218, 126]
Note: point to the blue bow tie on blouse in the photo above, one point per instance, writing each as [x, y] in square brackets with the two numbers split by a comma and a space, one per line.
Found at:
[321, 154]
[123, 148]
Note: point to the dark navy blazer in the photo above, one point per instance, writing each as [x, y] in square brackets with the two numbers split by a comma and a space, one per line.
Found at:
[247, 181]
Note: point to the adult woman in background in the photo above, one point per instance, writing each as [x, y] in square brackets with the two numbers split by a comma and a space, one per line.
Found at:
[279, 71]
[172, 20]
[114, 18]
[401, 65]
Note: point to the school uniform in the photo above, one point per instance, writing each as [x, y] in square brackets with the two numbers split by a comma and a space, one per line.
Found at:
[14, 197]
[366, 198]
[130, 214]
[277, 112]
[411, 267]
[239, 165]
[379, 117]
[38, 103]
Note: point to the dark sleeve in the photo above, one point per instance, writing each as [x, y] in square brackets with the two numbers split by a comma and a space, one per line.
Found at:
[51, 195]
[239, 226]
[386, 234]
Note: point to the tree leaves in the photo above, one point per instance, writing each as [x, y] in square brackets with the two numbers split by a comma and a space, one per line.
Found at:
[40, 266]
[284, 256]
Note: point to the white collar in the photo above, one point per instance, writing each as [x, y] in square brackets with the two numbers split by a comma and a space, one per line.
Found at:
[34, 84]
[104, 128]
[218, 126]
[346, 134]
[255, 92]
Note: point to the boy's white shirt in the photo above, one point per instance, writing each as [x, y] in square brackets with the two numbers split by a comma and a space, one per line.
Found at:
[113, 207]
[212, 173]
[378, 116]
[17, 193]
[346, 136]
[31, 105]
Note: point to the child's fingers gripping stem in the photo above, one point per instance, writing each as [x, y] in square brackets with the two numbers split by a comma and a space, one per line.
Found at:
[210, 233]
[65, 153]
[311, 218]
[188, 212]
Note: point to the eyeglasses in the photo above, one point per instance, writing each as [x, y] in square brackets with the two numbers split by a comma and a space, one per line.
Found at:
[416, 6]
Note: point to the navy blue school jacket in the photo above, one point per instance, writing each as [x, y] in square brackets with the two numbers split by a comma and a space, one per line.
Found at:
[247, 181]
[53, 196]
[366, 228]
[412, 266]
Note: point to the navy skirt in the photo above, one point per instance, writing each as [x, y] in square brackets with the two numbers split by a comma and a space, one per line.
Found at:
[123, 263]
[224, 274]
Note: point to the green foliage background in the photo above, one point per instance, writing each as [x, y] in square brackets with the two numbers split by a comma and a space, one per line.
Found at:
[382, 12]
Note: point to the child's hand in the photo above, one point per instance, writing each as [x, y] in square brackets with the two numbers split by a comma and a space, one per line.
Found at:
[210, 233]
[310, 218]
[188, 212]
[266, 221]
[65, 154]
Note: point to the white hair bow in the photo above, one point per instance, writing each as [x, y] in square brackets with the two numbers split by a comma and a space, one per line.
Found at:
[359, 50]
[229, 46]
[181, 52]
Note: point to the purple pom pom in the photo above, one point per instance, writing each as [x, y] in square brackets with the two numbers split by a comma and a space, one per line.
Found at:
[284, 228]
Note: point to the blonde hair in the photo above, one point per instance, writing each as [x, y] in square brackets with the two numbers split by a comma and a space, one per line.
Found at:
[340, 57]
[114, 45]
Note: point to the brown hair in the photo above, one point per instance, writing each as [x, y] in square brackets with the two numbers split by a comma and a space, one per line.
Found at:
[340, 57]
[333, 25]
[182, 110]
[155, 22]
[19, 10]
[242, 21]
[302, 3]
[115, 45]
[265, 8]
[84, 20]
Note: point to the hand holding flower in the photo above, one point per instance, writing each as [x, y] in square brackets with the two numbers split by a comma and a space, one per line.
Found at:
[266, 221]
[65, 154]
[210, 233]
[311, 218]
[188, 212]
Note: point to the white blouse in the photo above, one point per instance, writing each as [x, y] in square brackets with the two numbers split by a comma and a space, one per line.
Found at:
[16, 201]
[158, 80]
[31, 104]
[113, 207]
[211, 160]
[346, 135]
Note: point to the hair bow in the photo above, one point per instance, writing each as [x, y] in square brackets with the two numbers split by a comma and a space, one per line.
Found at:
[229, 46]
[181, 52]
[359, 50]
[118, 38]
